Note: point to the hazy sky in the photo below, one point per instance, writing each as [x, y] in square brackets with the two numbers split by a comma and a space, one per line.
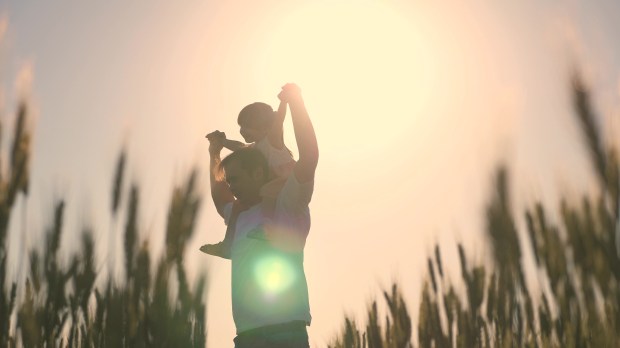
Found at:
[414, 103]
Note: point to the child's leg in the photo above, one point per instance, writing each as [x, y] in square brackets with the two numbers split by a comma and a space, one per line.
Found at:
[223, 248]
[269, 194]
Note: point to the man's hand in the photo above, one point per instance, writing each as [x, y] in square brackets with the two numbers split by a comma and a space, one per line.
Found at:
[216, 142]
[220, 192]
[291, 93]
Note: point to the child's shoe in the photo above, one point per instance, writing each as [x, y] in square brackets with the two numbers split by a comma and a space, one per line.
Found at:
[220, 249]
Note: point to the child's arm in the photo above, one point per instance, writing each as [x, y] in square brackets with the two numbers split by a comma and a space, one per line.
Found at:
[233, 145]
[275, 135]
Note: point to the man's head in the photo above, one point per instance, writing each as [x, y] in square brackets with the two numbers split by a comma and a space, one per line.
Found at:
[246, 171]
[255, 121]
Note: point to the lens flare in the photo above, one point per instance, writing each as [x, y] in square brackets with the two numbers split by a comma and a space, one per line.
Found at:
[274, 274]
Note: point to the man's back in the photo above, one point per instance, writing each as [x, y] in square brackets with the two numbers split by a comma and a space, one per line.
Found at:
[268, 279]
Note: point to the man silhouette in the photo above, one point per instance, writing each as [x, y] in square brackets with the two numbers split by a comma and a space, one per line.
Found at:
[269, 290]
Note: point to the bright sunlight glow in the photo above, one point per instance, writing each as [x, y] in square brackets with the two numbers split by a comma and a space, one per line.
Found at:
[362, 64]
[274, 275]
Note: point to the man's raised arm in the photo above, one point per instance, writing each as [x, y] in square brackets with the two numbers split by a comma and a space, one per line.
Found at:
[220, 192]
[304, 133]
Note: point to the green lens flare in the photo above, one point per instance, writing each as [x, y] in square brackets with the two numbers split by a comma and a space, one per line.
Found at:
[274, 274]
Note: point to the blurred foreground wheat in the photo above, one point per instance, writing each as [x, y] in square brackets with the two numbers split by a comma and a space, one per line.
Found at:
[62, 307]
[577, 257]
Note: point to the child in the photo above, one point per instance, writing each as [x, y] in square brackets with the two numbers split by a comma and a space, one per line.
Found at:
[262, 128]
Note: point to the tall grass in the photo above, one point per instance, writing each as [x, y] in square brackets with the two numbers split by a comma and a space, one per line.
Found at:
[576, 257]
[62, 306]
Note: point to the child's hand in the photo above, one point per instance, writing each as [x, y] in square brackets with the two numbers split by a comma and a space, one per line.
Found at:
[216, 142]
[290, 93]
[216, 134]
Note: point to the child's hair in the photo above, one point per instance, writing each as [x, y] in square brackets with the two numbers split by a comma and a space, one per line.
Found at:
[258, 114]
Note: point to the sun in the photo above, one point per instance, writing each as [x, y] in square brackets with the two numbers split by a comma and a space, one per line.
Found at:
[363, 67]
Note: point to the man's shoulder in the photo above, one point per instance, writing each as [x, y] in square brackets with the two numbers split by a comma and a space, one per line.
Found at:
[294, 193]
[293, 184]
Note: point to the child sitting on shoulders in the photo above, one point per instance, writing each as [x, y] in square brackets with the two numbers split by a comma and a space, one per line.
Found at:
[261, 128]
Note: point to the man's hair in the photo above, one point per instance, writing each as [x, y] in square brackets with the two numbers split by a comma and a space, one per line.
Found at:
[249, 158]
[259, 114]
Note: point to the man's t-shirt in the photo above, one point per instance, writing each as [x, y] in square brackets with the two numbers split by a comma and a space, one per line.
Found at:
[268, 280]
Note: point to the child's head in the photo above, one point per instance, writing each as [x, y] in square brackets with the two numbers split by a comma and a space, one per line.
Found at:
[255, 121]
